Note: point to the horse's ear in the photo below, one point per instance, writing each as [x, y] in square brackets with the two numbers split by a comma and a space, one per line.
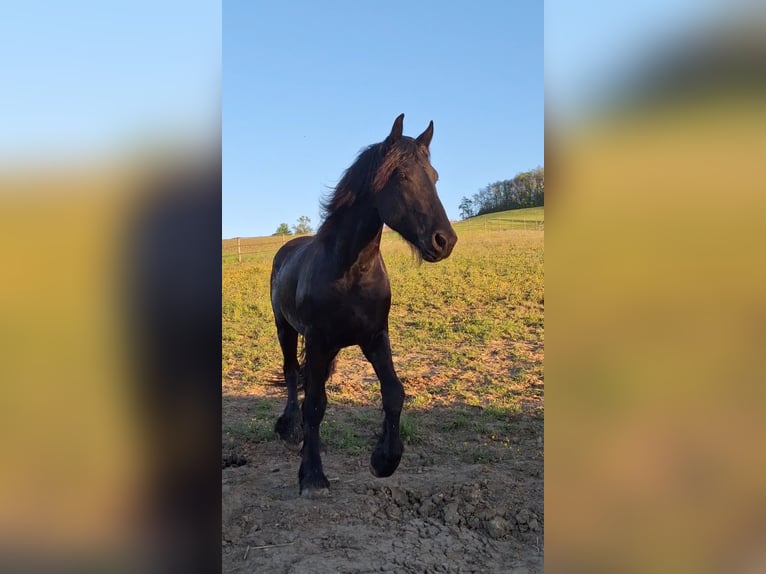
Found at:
[396, 130]
[424, 139]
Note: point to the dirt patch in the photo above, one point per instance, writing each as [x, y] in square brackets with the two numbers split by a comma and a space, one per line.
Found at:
[435, 514]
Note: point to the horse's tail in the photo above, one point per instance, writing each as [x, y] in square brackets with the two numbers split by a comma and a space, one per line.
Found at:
[280, 381]
[301, 362]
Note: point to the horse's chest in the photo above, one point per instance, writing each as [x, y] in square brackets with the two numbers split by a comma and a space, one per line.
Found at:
[351, 327]
[365, 302]
[347, 309]
[349, 316]
[360, 305]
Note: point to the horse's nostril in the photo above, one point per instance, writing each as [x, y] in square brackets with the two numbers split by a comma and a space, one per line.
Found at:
[439, 241]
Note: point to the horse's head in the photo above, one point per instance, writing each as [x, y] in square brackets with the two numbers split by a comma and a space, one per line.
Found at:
[405, 194]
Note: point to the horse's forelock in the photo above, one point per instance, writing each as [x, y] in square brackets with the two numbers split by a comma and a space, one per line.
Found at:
[394, 157]
[390, 162]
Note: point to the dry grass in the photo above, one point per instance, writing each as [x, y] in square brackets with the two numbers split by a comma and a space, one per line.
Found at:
[467, 337]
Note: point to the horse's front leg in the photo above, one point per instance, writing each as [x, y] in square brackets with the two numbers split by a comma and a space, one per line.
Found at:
[388, 452]
[319, 361]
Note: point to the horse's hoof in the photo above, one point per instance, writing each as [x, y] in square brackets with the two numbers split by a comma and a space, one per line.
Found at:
[293, 447]
[312, 483]
[384, 472]
[289, 430]
[314, 493]
[317, 487]
[381, 465]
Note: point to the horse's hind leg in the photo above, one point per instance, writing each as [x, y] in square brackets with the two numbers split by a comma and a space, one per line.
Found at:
[388, 452]
[289, 426]
[319, 361]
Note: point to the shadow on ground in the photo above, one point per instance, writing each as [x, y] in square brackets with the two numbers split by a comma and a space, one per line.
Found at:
[467, 497]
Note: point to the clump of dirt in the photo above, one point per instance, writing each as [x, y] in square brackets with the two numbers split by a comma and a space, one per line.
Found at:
[233, 459]
[467, 506]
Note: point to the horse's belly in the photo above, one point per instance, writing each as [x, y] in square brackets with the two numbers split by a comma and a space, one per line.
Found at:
[295, 322]
[353, 324]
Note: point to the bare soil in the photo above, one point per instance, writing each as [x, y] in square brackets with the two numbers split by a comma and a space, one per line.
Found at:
[440, 512]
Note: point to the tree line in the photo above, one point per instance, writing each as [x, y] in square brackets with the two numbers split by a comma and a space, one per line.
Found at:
[526, 189]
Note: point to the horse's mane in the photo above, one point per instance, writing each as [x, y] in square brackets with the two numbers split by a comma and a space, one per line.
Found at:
[368, 174]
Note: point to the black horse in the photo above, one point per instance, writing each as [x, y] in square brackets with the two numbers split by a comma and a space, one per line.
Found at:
[333, 289]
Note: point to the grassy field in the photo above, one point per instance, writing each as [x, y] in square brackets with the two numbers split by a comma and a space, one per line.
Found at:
[528, 214]
[519, 219]
[467, 338]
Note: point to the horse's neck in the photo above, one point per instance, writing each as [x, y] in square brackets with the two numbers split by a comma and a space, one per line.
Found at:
[357, 237]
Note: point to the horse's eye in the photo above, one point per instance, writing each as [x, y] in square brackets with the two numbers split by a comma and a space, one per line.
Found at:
[404, 176]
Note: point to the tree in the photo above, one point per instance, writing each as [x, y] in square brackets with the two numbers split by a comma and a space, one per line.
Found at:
[303, 227]
[283, 229]
[466, 208]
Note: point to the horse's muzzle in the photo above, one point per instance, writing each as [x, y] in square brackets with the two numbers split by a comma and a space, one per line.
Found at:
[442, 243]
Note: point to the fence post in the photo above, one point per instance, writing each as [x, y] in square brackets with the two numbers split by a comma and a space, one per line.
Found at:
[239, 252]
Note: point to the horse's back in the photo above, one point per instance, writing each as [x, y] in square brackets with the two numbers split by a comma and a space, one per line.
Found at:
[284, 252]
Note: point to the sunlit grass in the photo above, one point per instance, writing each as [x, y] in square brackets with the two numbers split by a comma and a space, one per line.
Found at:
[467, 336]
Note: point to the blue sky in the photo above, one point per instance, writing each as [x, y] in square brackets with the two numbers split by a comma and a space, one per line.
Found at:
[306, 85]
[83, 77]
